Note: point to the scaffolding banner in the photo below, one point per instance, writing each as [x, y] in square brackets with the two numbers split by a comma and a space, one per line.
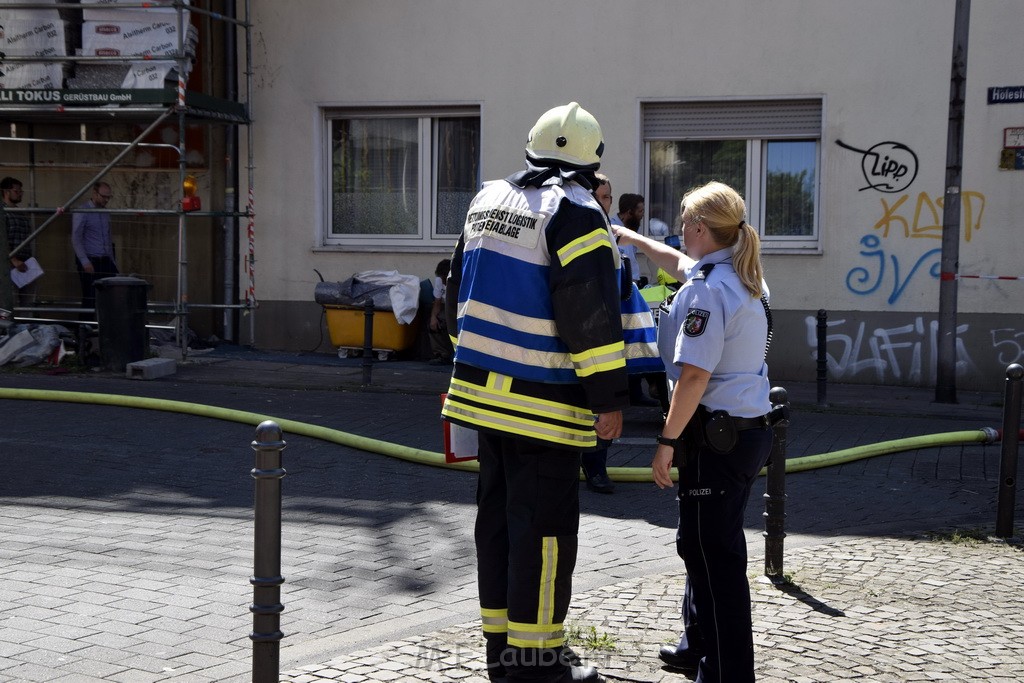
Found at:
[85, 97]
[31, 33]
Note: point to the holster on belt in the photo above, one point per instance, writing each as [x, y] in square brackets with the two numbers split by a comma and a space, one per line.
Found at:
[713, 429]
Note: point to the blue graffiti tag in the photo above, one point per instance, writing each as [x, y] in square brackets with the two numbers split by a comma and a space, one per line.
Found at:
[860, 280]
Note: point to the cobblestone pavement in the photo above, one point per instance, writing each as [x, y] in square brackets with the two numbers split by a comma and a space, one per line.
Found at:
[127, 543]
[885, 610]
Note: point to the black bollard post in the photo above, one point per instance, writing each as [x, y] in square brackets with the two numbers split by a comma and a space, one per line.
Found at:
[266, 605]
[1011, 441]
[367, 341]
[775, 488]
[822, 356]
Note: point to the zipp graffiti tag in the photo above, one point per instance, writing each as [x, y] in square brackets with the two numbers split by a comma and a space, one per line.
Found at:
[887, 166]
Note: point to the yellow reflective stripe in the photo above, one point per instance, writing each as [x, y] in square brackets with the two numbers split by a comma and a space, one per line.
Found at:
[494, 620]
[548, 574]
[513, 352]
[582, 245]
[500, 316]
[498, 392]
[495, 381]
[535, 635]
[600, 359]
[512, 425]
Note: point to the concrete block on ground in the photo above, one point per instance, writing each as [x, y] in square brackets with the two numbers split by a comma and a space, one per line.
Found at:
[151, 368]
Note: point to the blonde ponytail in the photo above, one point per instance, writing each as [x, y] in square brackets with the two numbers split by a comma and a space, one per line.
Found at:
[721, 209]
[746, 259]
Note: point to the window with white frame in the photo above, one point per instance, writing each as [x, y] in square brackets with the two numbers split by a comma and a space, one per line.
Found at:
[768, 150]
[401, 177]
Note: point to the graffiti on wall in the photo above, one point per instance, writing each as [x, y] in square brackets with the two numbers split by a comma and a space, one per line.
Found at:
[887, 167]
[894, 353]
[903, 352]
[925, 220]
[865, 280]
[888, 272]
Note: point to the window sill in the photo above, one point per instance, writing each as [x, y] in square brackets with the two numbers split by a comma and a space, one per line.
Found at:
[772, 249]
[423, 248]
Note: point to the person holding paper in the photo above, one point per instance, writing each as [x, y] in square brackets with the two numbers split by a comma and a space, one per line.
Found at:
[6, 290]
[18, 230]
[94, 248]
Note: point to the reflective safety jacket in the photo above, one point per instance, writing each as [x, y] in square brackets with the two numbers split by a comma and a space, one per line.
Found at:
[533, 297]
[639, 333]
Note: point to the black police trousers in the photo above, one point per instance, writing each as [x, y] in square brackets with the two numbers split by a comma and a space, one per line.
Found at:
[526, 531]
[713, 493]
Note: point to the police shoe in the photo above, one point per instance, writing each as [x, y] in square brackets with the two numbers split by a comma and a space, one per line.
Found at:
[679, 659]
[600, 483]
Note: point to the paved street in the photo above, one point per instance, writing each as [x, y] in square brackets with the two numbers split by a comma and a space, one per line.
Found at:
[128, 538]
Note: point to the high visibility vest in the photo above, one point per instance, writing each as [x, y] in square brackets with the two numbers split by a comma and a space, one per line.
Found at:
[534, 292]
[640, 334]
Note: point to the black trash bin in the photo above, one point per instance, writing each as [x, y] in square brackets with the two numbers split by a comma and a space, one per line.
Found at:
[121, 313]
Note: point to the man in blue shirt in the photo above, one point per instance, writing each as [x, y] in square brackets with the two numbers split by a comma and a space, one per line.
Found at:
[94, 248]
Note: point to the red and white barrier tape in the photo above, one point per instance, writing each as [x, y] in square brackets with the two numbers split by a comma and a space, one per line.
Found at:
[958, 276]
[250, 261]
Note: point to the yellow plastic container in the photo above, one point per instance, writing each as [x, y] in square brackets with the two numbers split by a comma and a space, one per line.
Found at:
[346, 326]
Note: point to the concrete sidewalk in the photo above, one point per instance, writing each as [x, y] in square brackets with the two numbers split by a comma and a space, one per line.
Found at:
[134, 567]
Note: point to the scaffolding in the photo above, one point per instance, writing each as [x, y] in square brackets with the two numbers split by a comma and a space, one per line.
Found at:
[131, 94]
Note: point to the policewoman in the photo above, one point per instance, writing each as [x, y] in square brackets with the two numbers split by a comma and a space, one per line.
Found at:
[713, 340]
[540, 373]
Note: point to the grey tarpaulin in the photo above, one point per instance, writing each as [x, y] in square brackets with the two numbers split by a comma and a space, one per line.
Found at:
[388, 289]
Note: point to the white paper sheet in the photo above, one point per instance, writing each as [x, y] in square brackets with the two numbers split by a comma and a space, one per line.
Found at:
[32, 273]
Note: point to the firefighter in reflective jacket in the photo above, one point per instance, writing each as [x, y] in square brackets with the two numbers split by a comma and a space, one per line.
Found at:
[540, 372]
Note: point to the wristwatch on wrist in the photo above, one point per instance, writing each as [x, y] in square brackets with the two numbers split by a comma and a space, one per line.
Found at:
[665, 441]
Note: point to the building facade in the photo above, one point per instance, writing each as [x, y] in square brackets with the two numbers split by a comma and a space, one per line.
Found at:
[376, 120]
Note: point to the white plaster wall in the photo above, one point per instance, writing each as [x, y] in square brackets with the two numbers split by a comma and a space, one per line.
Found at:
[882, 67]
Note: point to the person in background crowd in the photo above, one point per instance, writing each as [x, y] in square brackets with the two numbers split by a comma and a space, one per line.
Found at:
[630, 215]
[540, 373]
[641, 352]
[18, 230]
[440, 342]
[93, 245]
[6, 288]
[713, 340]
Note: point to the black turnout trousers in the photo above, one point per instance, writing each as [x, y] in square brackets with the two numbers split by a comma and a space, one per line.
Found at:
[526, 539]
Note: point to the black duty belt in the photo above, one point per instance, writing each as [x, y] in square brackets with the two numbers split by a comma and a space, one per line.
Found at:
[759, 422]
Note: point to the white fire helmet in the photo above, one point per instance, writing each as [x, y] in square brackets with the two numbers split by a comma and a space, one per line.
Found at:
[568, 134]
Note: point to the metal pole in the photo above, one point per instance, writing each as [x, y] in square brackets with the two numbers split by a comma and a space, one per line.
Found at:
[266, 605]
[775, 489]
[367, 341]
[230, 224]
[945, 370]
[822, 356]
[1011, 441]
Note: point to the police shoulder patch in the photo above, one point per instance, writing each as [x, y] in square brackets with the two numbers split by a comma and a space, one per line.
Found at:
[695, 322]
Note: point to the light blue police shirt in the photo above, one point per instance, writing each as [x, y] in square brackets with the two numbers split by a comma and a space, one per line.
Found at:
[715, 324]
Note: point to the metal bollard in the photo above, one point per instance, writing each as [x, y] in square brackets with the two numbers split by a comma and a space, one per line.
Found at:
[266, 605]
[367, 341]
[775, 489]
[822, 355]
[1011, 441]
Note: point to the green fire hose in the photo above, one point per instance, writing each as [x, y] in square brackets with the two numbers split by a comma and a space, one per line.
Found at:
[417, 455]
